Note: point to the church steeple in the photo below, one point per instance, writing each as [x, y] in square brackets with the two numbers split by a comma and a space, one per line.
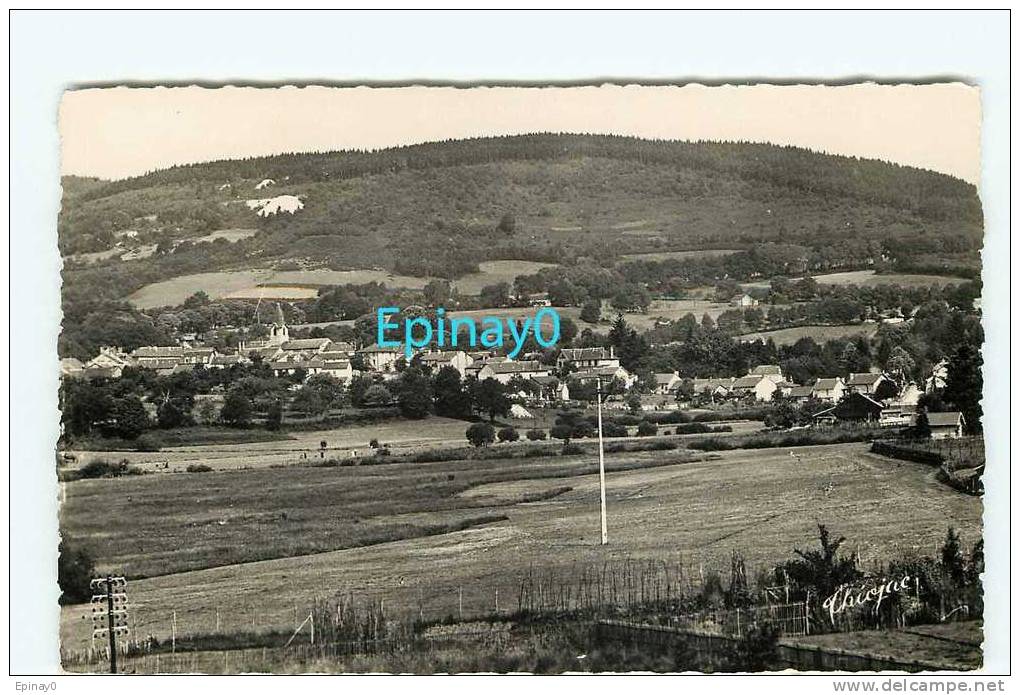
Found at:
[278, 333]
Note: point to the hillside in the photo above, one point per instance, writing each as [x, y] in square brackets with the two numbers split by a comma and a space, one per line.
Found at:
[441, 209]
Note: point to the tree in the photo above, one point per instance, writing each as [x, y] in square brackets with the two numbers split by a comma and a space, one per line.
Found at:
[508, 434]
[451, 398]
[376, 395]
[236, 410]
[564, 432]
[507, 224]
[535, 435]
[489, 396]
[495, 296]
[414, 394]
[481, 434]
[75, 568]
[922, 428]
[822, 570]
[964, 384]
[647, 429]
[437, 292]
[130, 418]
[591, 311]
[274, 416]
[319, 394]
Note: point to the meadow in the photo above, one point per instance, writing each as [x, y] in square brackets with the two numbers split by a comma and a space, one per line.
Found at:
[396, 526]
[870, 277]
[789, 336]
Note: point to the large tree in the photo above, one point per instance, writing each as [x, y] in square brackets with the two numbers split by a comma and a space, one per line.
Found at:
[964, 384]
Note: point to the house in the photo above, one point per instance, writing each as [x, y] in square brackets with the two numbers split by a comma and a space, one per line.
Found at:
[856, 407]
[551, 389]
[800, 394]
[587, 358]
[946, 425]
[761, 387]
[290, 367]
[458, 359]
[381, 359]
[307, 345]
[743, 301]
[607, 373]
[70, 366]
[658, 402]
[339, 369]
[898, 415]
[506, 370]
[112, 359]
[225, 361]
[828, 389]
[716, 388]
[869, 383]
[665, 382]
[769, 371]
[785, 387]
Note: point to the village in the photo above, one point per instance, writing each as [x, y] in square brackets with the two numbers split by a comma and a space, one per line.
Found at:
[869, 397]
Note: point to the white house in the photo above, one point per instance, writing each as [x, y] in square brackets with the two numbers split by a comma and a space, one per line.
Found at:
[381, 359]
[504, 371]
[867, 383]
[458, 359]
[762, 387]
[829, 389]
[665, 382]
[587, 358]
[769, 371]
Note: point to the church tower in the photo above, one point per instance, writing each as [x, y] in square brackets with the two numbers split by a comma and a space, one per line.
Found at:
[278, 333]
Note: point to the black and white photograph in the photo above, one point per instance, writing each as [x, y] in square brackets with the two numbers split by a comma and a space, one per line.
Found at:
[551, 378]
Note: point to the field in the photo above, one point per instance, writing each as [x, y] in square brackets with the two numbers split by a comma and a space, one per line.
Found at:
[512, 515]
[248, 284]
[956, 644]
[304, 284]
[667, 255]
[789, 336]
[230, 235]
[493, 272]
[870, 277]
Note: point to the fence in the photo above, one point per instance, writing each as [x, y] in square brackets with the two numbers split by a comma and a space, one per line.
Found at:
[788, 618]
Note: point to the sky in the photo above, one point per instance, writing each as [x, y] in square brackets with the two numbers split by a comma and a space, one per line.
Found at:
[119, 132]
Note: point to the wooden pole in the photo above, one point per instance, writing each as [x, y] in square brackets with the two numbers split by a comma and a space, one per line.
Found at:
[109, 624]
[602, 463]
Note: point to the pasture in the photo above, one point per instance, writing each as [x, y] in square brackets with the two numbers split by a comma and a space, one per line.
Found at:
[682, 255]
[870, 277]
[265, 283]
[494, 272]
[434, 537]
[789, 336]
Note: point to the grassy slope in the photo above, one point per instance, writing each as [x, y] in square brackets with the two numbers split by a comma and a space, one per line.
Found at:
[761, 503]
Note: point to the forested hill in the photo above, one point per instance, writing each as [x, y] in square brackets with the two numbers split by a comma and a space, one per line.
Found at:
[929, 194]
[440, 209]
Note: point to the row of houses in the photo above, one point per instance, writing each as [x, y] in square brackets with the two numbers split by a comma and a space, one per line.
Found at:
[765, 382]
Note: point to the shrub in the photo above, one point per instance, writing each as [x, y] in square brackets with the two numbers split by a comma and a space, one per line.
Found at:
[481, 434]
[74, 572]
[536, 435]
[647, 429]
[571, 449]
[613, 429]
[374, 443]
[508, 434]
[198, 468]
[101, 468]
[564, 432]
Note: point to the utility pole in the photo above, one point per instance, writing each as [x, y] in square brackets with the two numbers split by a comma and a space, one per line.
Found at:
[602, 462]
[109, 624]
[109, 612]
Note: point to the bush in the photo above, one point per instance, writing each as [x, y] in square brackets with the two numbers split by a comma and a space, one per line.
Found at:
[198, 468]
[74, 572]
[101, 468]
[481, 434]
[536, 435]
[613, 429]
[571, 449]
[508, 434]
[647, 429]
[374, 443]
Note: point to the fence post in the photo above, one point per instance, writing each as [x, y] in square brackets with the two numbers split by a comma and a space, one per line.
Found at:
[497, 600]
[173, 633]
